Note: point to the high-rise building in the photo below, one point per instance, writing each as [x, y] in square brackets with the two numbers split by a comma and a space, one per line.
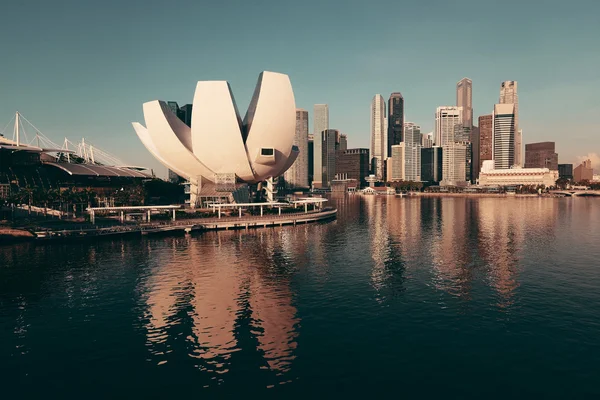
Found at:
[475, 150]
[395, 120]
[503, 131]
[485, 140]
[342, 142]
[583, 172]
[446, 119]
[412, 140]
[464, 99]
[297, 175]
[565, 171]
[328, 145]
[454, 171]
[431, 164]
[378, 143]
[541, 155]
[311, 158]
[509, 95]
[352, 164]
[398, 162]
[320, 124]
[427, 139]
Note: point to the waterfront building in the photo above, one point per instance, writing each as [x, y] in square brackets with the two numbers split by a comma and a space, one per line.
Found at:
[490, 176]
[486, 137]
[503, 131]
[427, 139]
[311, 158]
[431, 164]
[583, 172]
[352, 164]
[464, 99]
[297, 175]
[412, 140]
[509, 95]
[217, 148]
[320, 124]
[328, 145]
[475, 152]
[412, 134]
[396, 163]
[395, 121]
[378, 137]
[454, 171]
[565, 171]
[446, 119]
[541, 155]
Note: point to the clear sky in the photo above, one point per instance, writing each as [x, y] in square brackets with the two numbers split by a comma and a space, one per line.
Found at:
[80, 68]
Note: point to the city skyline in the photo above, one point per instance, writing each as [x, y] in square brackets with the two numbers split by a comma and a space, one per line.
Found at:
[102, 75]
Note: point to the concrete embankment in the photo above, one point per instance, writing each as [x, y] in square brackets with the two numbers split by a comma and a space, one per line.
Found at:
[14, 235]
[202, 224]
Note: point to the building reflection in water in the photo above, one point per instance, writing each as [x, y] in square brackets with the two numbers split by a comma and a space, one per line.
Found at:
[226, 285]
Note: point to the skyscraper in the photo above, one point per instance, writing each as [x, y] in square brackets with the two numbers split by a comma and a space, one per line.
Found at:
[541, 155]
[503, 130]
[398, 163]
[427, 139]
[509, 95]
[454, 165]
[378, 145]
[475, 150]
[352, 164]
[343, 142]
[328, 145]
[320, 124]
[297, 174]
[395, 121]
[464, 99]
[485, 140]
[431, 164]
[311, 158]
[446, 119]
[412, 140]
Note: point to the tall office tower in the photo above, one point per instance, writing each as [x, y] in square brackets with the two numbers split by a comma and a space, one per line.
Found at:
[509, 95]
[485, 140]
[454, 172]
[174, 107]
[446, 119]
[475, 150]
[320, 124]
[342, 142]
[352, 164]
[378, 149]
[328, 144]
[412, 140]
[297, 175]
[395, 125]
[186, 114]
[398, 163]
[583, 172]
[503, 131]
[541, 155]
[311, 158]
[464, 99]
[427, 140]
[431, 164]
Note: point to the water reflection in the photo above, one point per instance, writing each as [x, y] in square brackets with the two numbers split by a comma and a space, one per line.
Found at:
[226, 284]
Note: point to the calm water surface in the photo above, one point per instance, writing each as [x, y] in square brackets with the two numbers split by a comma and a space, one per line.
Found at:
[452, 297]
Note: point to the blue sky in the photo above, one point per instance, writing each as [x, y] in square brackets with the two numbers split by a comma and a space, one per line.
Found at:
[83, 68]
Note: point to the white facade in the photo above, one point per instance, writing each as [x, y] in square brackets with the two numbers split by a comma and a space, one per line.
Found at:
[446, 119]
[397, 171]
[464, 99]
[378, 135]
[412, 140]
[218, 142]
[320, 124]
[509, 95]
[297, 175]
[503, 136]
[427, 140]
[489, 176]
[454, 165]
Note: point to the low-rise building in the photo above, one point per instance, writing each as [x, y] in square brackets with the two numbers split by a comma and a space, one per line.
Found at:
[515, 176]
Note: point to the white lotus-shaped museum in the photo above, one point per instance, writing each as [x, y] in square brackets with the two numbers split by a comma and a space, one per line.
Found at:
[219, 142]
